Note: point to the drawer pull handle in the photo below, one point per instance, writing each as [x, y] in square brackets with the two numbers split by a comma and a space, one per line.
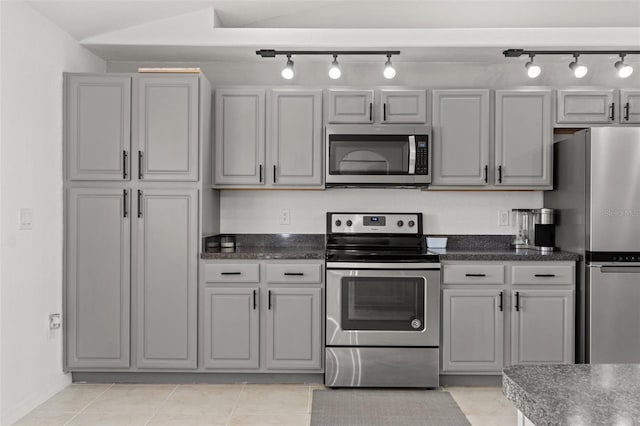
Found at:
[517, 301]
[501, 305]
[475, 275]
[298, 274]
[231, 273]
[545, 275]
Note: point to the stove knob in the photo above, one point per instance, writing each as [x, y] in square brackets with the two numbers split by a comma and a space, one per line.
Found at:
[411, 224]
[349, 223]
[338, 222]
[400, 224]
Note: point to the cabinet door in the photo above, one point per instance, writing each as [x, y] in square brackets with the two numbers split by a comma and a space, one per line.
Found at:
[542, 327]
[629, 106]
[166, 278]
[350, 106]
[98, 127]
[167, 127]
[460, 137]
[472, 329]
[523, 137]
[586, 106]
[240, 136]
[231, 327]
[98, 271]
[296, 137]
[293, 328]
[403, 106]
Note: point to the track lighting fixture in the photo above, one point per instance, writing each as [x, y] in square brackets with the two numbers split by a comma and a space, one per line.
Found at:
[533, 69]
[624, 70]
[287, 72]
[334, 70]
[579, 69]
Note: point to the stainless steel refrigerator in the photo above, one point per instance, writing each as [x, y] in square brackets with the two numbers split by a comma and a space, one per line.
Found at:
[597, 198]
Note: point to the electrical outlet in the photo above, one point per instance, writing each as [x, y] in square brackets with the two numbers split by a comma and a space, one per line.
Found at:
[503, 217]
[26, 219]
[54, 324]
[284, 217]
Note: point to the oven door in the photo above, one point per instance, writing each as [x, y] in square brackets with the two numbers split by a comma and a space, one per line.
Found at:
[383, 307]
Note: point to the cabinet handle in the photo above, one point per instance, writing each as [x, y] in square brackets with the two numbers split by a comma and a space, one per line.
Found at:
[254, 300]
[501, 304]
[370, 111]
[125, 196]
[517, 301]
[486, 174]
[626, 111]
[139, 203]
[139, 164]
[612, 108]
[260, 173]
[545, 275]
[475, 275]
[269, 299]
[384, 112]
[299, 274]
[124, 164]
[499, 174]
[230, 273]
[274, 173]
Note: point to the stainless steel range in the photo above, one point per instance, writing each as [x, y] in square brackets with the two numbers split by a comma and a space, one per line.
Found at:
[383, 302]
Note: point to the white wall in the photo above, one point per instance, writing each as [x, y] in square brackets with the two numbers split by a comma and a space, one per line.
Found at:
[35, 53]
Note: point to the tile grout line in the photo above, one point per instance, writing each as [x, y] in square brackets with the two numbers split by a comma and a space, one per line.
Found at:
[175, 388]
[87, 405]
[235, 405]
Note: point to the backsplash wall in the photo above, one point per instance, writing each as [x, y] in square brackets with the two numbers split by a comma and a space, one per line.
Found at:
[445, 212]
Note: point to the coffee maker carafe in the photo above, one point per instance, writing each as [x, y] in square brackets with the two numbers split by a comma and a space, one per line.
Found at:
[534, 229]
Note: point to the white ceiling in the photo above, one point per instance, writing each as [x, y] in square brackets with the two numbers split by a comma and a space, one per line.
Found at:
[190, 31]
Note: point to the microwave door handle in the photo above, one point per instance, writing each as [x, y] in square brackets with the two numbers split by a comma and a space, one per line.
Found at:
[412, 155]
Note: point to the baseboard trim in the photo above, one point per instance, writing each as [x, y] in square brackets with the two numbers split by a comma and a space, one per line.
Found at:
[470, 380]
[33, 400]
[184, 378]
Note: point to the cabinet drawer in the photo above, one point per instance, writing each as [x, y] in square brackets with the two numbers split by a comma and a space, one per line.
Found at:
[473, 274]
[232, 272]
[294, 273]
[542, 274]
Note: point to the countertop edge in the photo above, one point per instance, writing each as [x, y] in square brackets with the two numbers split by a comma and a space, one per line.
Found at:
[524, 402]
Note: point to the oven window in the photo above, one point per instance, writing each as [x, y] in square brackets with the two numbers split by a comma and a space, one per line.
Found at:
[368, 155]
[382, 303]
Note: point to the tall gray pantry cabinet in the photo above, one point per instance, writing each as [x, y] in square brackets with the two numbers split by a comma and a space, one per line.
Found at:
[136, 151]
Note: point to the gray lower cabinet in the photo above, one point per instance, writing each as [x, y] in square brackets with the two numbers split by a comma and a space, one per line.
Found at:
[98, 278]
[166, 278]
[231, 327]
[167, 127]
[294, 328]
[97, 126]
[629, 106]
[586, 106]
[542, 326]
[472, 329]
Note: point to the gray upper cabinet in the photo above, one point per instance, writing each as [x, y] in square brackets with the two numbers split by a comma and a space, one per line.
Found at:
[240, 137]
[629, 106]
[586, 106]
[350, 106]
[166, 279]
[98, 278]
[403, 106]
[167, 127]
[523, 137]
[461, 137]
[296, 137]
[294, 328]
[472, 329]
[98, 127]
[231, 327]
[542, 326]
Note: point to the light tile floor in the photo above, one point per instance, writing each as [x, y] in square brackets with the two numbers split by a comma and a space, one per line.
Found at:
[224, 405]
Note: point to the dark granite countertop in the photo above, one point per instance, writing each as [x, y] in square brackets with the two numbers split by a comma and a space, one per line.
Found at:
[267, 246]
[250, 252]
[580, 394]
[504, 255]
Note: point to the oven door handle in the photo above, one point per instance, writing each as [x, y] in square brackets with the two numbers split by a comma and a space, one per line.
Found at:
[382, 266]
[412, 155]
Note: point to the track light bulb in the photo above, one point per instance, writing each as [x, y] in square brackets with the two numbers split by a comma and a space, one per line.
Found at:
[533, 69]
[287, 71]
[579, 70]
[624, 70]
[334, 69]
[389, 71]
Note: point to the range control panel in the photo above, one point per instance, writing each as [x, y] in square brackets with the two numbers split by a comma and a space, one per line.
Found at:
[374, 223]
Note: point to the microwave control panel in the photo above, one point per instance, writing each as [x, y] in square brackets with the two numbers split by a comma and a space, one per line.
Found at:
[422, 155]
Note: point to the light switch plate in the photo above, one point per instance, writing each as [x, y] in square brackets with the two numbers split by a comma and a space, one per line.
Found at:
[503, 217]
[26, 218]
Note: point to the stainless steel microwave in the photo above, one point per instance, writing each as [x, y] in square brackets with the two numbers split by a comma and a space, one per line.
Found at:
[388, 155]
